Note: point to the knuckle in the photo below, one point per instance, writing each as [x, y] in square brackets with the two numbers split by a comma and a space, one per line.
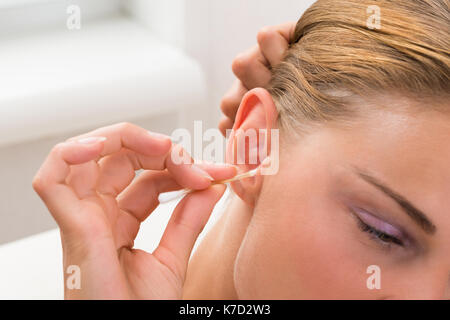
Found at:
[227, 103]
[239, 63]
[124, 126]
[264, 34]
[223, 124]
[38, 184]
[57, 148]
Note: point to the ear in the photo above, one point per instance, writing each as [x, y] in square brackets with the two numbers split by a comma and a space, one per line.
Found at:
[249, 141]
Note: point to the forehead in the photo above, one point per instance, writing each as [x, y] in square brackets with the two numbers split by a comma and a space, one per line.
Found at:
[400, 133]
[393, 129]
[409, 147]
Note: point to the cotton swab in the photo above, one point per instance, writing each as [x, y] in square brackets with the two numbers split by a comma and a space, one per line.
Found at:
[169, 196]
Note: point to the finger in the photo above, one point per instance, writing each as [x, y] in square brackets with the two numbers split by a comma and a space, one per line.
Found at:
[138, 201]
[287, 29]
[148, 151]
[232, 99]
[185, 172]
[140, 198]
[252, 68]
[130, 136]
[224, 125]
[274, 41]
[117, 171]
[83, 179]
[219, 171]
[49, 181]
[186, 223]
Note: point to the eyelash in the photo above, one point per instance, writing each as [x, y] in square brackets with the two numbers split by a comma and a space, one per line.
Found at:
[379, 236]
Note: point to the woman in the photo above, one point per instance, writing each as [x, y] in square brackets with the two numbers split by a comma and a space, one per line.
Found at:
[362, 182]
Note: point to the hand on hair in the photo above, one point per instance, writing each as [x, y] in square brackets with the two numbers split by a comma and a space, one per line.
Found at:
[252, 68]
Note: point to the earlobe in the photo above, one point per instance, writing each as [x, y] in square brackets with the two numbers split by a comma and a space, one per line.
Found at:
[249, 142]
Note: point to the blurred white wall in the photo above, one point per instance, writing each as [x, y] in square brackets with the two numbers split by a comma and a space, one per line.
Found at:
[56, 83]
[219, 30]
[214, 32]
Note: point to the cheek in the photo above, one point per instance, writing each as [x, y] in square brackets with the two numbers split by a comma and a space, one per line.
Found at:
[300, 250]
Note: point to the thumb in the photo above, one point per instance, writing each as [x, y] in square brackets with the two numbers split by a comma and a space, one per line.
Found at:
[187, 221]
[50, 180]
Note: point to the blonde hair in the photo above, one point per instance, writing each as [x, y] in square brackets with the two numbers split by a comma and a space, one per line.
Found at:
[332, 51]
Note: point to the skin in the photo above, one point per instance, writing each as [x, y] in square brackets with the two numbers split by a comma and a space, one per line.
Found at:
[290, 235]
[299, 240]
[88, 185]
[229, 278]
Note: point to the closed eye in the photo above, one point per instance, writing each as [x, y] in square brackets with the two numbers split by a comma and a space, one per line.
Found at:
[379, 230]
[378, 235]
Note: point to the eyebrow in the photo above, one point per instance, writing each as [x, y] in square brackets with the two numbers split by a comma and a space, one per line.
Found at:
[418, 216]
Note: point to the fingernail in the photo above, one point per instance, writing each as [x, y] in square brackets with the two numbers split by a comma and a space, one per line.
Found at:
[159, 136]
[202, 172]
[91, 140]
